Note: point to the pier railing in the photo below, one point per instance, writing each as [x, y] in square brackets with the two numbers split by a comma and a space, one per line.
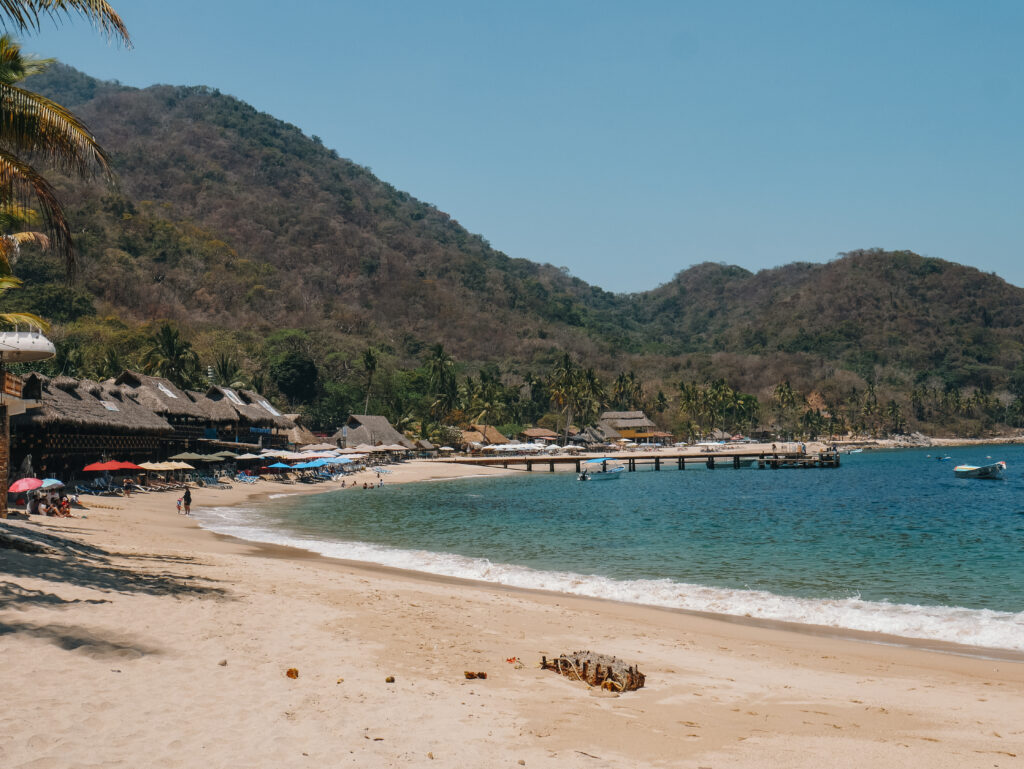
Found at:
[719, 459]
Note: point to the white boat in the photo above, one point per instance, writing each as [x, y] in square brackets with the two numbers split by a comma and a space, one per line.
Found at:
[600, 470]
[994, 470]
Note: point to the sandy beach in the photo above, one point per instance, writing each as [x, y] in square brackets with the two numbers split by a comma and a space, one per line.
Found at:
[134, 638]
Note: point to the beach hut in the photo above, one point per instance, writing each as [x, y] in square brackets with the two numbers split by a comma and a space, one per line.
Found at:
[167, 400]
[78, 421]
[633, 425]
[370, 430]
[242, 417]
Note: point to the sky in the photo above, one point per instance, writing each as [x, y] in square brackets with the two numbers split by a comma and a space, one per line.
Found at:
[629, 141]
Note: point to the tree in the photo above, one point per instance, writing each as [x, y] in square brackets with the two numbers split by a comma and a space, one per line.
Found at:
[171, 356]
[295, 375]
[36, 129]
[370, 361]
[227, 372]
[564, 386]
[440, 370]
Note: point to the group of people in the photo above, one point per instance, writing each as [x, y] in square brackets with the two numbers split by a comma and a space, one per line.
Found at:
[59, 507]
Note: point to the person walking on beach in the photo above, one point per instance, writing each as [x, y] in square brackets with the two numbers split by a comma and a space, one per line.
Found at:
[187, 499]
[179, 505]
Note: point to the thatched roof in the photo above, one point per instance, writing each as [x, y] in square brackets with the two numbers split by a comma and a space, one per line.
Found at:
[627, 420]
[371, 430]
[258, 401]
[159, 395]
[243, 406]
[538, 432]
[216, 411]
[88, 406]
[301, 436]
[491, 434]
[471, 436]
[424, 445]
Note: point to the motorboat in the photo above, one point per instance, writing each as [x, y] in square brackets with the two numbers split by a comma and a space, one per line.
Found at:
[994, 470]
[600, 470]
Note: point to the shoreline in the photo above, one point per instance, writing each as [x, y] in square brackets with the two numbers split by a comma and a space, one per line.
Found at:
[167, 601]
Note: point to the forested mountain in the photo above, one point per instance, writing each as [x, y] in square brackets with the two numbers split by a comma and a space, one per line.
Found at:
[257, 240]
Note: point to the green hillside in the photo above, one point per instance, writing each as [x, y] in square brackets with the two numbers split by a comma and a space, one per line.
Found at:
[259, 243]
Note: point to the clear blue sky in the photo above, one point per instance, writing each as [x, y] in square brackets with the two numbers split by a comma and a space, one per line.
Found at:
[628, 141]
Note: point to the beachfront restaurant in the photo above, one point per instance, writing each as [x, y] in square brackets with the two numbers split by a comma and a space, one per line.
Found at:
[167, 400]
[78, 422]
[241, 418]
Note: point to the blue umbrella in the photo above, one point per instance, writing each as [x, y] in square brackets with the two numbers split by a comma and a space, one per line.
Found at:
[280, 464]
[337, 461]
[52, 483]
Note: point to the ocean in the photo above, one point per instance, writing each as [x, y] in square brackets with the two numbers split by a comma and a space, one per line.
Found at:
[890, 542]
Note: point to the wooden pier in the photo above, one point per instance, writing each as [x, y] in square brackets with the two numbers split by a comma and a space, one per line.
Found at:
[720, 459]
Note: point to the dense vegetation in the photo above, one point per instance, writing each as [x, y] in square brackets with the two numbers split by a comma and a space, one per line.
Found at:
[235, 245]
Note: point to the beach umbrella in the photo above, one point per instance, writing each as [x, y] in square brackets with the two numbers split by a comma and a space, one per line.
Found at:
[127, 466]
[52, 483]
[279, 465]
[25, 484]
[248, 456]
[225, 454]
[103, 466]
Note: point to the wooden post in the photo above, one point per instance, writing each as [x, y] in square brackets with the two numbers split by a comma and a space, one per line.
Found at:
[657, 463]
[5, 451]
[711, 463]
[736, 462]
[551, 467]
[529, 466]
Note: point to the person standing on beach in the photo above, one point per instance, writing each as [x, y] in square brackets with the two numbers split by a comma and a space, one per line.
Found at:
[186, 498]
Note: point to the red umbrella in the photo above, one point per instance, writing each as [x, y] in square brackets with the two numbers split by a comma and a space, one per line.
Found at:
[100, 466]
[25, 484]
[128, 466]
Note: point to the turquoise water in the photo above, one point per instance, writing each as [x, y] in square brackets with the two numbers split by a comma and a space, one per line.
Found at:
[889, 542]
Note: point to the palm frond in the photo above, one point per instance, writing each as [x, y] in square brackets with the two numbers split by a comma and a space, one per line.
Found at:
[27, 15]
[33, 125]
[21, 182]
[23, 319]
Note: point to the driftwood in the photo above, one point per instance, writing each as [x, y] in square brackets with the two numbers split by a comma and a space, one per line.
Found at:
[596, 669]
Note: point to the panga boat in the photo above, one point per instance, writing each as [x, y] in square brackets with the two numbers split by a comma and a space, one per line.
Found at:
[994, 470]
[599, 470]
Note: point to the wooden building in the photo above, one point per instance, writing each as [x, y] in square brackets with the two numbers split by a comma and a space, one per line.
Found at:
[81, 421]
[167, 400]
[632, 425]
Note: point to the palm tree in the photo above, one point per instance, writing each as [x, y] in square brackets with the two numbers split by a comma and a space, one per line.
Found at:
[227, 372]
[36, 128]
[564, 385]
[171, 357]
[111, 365]
[440, 370]
[370, 361]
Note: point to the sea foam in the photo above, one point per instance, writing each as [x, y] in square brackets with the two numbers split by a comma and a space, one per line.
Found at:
[971, 627]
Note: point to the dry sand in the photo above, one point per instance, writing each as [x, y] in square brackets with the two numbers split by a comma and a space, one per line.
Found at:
[154, 643]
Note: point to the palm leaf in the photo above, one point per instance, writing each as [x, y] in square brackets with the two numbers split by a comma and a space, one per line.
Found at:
[27, 15]
[21, 182]
[33, 125]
